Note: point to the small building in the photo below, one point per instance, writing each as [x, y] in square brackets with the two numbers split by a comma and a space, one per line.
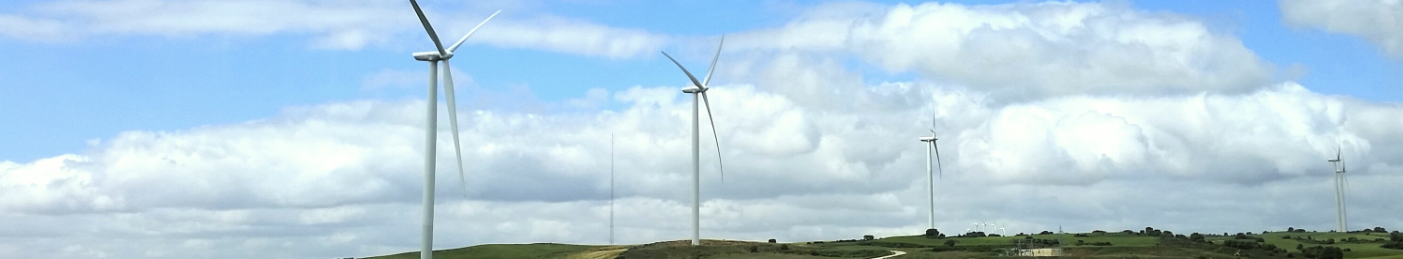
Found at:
[1040, 252]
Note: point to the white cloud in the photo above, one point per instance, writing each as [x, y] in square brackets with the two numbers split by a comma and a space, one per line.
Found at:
[1379, 21]
[812, 151]
[330, 24]
[344, 177]
[1028, 50]
[573, 36]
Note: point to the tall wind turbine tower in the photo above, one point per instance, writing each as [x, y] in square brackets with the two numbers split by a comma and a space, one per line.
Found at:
[611, 189]
[930, 175]
[698, 90]
[430, 150]
[1341, 185]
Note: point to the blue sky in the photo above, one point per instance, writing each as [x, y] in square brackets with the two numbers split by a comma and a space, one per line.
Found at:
[297, 121]
[164, 83]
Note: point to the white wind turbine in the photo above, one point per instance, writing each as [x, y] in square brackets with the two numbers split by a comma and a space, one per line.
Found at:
[930, 176]
[433, 57]
[1341, 185]
[698, 89]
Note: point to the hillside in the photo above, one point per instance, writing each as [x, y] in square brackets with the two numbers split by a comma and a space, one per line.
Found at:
[1149, 243]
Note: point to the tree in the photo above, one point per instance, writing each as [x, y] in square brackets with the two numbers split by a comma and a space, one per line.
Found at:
[1196, 237]
[1380, 229]
[932, 233]
[867, 237]
[772, 240]
[1290, 229]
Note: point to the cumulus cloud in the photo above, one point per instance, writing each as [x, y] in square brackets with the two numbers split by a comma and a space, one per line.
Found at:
[1379, 21]
[331, 24]
[1037, 49]
[812, 148]
[348, 174]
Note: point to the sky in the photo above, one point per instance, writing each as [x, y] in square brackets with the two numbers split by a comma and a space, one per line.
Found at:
[295, 129]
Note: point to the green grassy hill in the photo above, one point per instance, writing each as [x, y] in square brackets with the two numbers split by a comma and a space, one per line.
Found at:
[1092, 245]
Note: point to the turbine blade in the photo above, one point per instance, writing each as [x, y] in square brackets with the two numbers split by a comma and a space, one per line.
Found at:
[428, 28]
[684, 70]
[453, 120]
[714, 136]
[937, 159]
[707, 80]
[470, 33]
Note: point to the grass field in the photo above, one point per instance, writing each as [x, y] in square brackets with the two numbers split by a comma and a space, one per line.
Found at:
[918, 247]
[504, 251]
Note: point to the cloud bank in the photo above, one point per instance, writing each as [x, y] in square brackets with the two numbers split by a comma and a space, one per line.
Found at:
[1378, 21]
[1086, 116]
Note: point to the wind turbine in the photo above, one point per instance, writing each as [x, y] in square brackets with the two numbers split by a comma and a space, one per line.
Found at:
[1341, 185]
[433, 57]
[698, 89]
[930, 176]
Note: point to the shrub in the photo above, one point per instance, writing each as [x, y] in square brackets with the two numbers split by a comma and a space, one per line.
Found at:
[950, 242]
[784, 247]
[1286, 237]
[932, 233]
[754, 249]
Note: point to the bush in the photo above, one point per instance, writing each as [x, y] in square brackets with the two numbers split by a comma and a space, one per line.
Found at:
[754, 249]
[772, 240]
[784, 247]
[1286, 237]
[932, 233]
[950, 242]
[1196, 237]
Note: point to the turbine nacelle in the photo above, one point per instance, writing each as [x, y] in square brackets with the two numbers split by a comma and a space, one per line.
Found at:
[431, 56]
[693, 89]
[928, 139]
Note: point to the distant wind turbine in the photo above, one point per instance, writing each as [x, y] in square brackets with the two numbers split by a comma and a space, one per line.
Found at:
[1341, 186]
[430, 150]
[698, 89]
[930, 176]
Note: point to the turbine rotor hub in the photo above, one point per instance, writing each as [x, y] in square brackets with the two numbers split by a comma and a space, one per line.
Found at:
[431, 56]
[693, 89]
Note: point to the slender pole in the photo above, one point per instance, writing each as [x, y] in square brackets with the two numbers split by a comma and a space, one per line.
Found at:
[1339, 204]
[430, 135]
[696, 169]
[611, 189]
[930, 179]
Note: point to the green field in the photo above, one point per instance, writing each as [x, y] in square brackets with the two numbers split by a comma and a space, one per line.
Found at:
[1121, 246]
